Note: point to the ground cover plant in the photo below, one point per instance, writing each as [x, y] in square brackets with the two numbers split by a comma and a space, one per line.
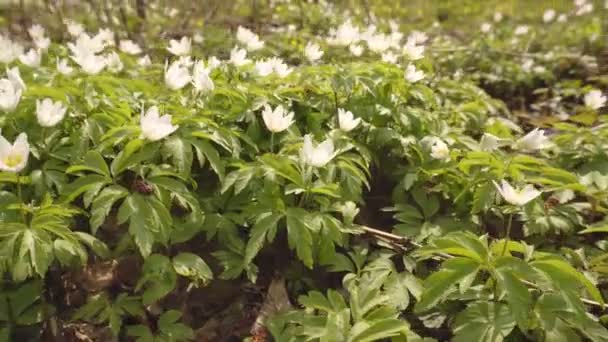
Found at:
[303, 171]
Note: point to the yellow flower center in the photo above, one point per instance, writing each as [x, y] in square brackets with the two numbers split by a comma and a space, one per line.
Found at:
[12, 160]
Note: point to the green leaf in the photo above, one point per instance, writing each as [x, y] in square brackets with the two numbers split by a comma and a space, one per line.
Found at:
[103, 203]
[518, 296]
[264, 228]
[192, 266]
[558, 269]
[366, 331]
[482, 198]
[299, 235]
[436, 286]
[159, 278]
[180, 152]
[94, 162]
[399, 285]
[483, 322]
[283, 167]
[204, 148]
[135, 152]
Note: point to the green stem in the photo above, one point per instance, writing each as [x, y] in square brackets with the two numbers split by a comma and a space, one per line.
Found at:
[507, 235]
[271, 142]
[20, 195]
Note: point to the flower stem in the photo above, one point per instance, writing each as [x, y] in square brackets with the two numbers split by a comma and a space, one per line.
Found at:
[20, 195]
[271, 142]
[507, 235]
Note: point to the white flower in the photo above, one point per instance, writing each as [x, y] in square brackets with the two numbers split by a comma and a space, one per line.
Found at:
[594, 99]
[180, 47]
[177, 75]
[90, 63]
[313, 52]
[213, 62]
[439, 150]
[144, 61]
[49, 113]
[74, 28]
[198, 38]
[31, 58]
[527, 65]
[238, 57]
[346, 121]
[378, 43]
[9, 96]
[42, 43]
[249, 39]
[412, 51]
[549, 15]
[10, 50]
[562, 18]
[280, 67]
[105, 36]
[564, 196]
[497, 17]
[277, 120]
[521, 30]
[584, 9]
[346, 34]
[129, 47]
[486, 27]
[113, 62]
[36, 31]
[155, 127]
[535, 140]
[200, 78]
[263, 68]
[389, 57]
[85, 45]
[15, 77]
[413, 75]
[317, 156]
[356, 49]
[418, 37]
[13, 158]
[489, 142]
[517, 196]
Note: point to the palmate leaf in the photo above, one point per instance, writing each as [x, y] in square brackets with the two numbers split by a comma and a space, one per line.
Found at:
[299, 233]
[179, 151]
[103, 203]
[192, 266]
[483, 322]
[264, 229]
[158, 278]
[149, 221]
[437, 285]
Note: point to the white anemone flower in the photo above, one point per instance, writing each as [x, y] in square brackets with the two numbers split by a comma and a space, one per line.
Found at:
[534, 140]
[277, 120]
[238, 57]
[313, 52]
[32, 58]
[155, 127]
[346, 120]
[317, 156]
[594, 99]
[514, 196]
[13, 157]
[14, 76]
[129, 47]
[49, 113]
[413, 75]
[177, 75]
[180, 47]
[9, 96]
